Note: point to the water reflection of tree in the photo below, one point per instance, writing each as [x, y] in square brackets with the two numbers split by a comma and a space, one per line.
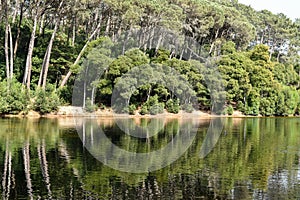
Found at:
[254, 158]
[27, 146]
[248, 153]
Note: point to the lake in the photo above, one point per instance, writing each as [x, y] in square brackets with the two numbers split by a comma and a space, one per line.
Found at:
[248, 158]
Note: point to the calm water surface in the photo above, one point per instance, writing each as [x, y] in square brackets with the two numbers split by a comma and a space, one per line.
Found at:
[254, 158]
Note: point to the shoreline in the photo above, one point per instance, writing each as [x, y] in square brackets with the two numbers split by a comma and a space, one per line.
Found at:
[70, 111]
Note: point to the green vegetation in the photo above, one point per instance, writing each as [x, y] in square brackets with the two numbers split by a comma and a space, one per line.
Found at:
[251, 156]
[46, 44]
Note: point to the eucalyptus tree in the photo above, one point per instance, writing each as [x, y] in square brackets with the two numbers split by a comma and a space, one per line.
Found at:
[58, 10]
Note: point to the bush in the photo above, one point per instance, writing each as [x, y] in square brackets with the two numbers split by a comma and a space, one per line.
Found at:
[13, 97]
[45, 101]
[89, 107]
[240, 106]
[172, 106]
[230, 110]
[131, 109]
[188, 108]
[152, 106]
[144, 110]
[157, 109]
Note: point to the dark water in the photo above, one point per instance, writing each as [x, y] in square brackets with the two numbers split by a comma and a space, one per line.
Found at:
[255, 158]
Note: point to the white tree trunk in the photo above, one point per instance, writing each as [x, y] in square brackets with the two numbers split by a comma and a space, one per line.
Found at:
[6, 52]
[46, 61]
[26, 158]
[11, 48]
[27, 75]
[44, 167]
[79, 56]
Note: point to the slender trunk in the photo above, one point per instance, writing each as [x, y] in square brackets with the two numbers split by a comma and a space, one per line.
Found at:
[42, 70]
[271, 54]
[93, 95]
[15, 11]
[83, 133]
[262, 37]
[42, 24]
[65, 154]
[150, 38]
[74, 31]
[46, 61]
[149, 92]
[18, 31]
[278, 56]
[158, 43]
[92, 134]
[5, 172]
[213, 42]
[44, 167]
[211, 48]
[11, 48]
[79, 56]
[26, 158]
[9, 176]
[84, 94]
[128, 35]
[107, 26]
[6, 52]
[27, 75]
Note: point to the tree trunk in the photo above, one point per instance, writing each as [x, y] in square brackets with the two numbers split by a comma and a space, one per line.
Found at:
[19, 30]
[93, 95]
[11, 48]
[27, 75]
[44, 167]
[278, 56]
[74, 31]
[79, 56]
[46, 61]
[6, 52]
[42, 24]
[158, 43]
[107, 26]
[26, 158]
[4, 176]
[15, 11]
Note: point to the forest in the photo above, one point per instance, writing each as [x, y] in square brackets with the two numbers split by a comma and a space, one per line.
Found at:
[45, 44]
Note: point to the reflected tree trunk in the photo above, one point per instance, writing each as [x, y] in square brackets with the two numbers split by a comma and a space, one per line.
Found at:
[64, 153]
[26, 158]
[4, 174]
[7, 174]
[44, 166]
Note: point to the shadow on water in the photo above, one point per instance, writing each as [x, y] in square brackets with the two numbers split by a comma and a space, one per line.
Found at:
[253, 158]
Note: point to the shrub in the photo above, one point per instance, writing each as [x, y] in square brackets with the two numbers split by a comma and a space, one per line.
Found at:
[13, 97]
[157, 109]
[45, 101]
[240, 106]
[230, 110]
[172, 106]
[188, 108]
[132, 109]
[89, 107]
[152, 106]
[144, 110]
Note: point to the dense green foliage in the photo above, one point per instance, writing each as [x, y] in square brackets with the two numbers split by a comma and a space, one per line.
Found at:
[46, 43]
